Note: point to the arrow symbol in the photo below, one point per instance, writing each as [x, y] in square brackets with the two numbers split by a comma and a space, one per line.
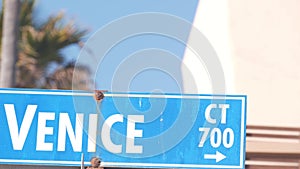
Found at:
[218, 156]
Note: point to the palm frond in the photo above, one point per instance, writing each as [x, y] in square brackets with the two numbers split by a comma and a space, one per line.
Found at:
[41, 44]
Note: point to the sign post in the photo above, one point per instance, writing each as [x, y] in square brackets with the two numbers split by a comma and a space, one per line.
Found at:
[49, 127]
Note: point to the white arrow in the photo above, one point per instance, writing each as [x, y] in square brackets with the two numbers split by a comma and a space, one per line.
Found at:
[218, 156]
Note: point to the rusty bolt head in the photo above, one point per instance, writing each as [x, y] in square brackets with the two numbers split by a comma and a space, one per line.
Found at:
[98, 95]
[95, 162]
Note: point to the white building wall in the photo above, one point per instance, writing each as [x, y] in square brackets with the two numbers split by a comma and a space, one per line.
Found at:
[212, 20]
[266, 36]
[259, 46]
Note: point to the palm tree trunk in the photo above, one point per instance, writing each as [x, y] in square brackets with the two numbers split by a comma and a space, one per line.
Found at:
[9, 50]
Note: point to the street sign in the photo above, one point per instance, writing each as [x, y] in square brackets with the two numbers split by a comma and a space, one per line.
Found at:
[53, 127]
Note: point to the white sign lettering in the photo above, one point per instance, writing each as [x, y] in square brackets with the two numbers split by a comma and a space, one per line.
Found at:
[74, 131]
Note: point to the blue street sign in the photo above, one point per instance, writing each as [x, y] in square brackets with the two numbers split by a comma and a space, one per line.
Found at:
[55, 127]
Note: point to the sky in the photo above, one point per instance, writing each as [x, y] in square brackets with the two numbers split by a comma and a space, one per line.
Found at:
[97, 14]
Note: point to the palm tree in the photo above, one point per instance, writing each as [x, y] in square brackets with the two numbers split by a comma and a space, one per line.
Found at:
[9, 42]
[65, 77]
[41, 44]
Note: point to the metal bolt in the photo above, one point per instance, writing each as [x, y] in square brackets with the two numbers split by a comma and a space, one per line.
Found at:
[99, 95]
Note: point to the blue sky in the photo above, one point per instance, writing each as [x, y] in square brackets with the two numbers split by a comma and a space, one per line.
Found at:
[95, 14]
